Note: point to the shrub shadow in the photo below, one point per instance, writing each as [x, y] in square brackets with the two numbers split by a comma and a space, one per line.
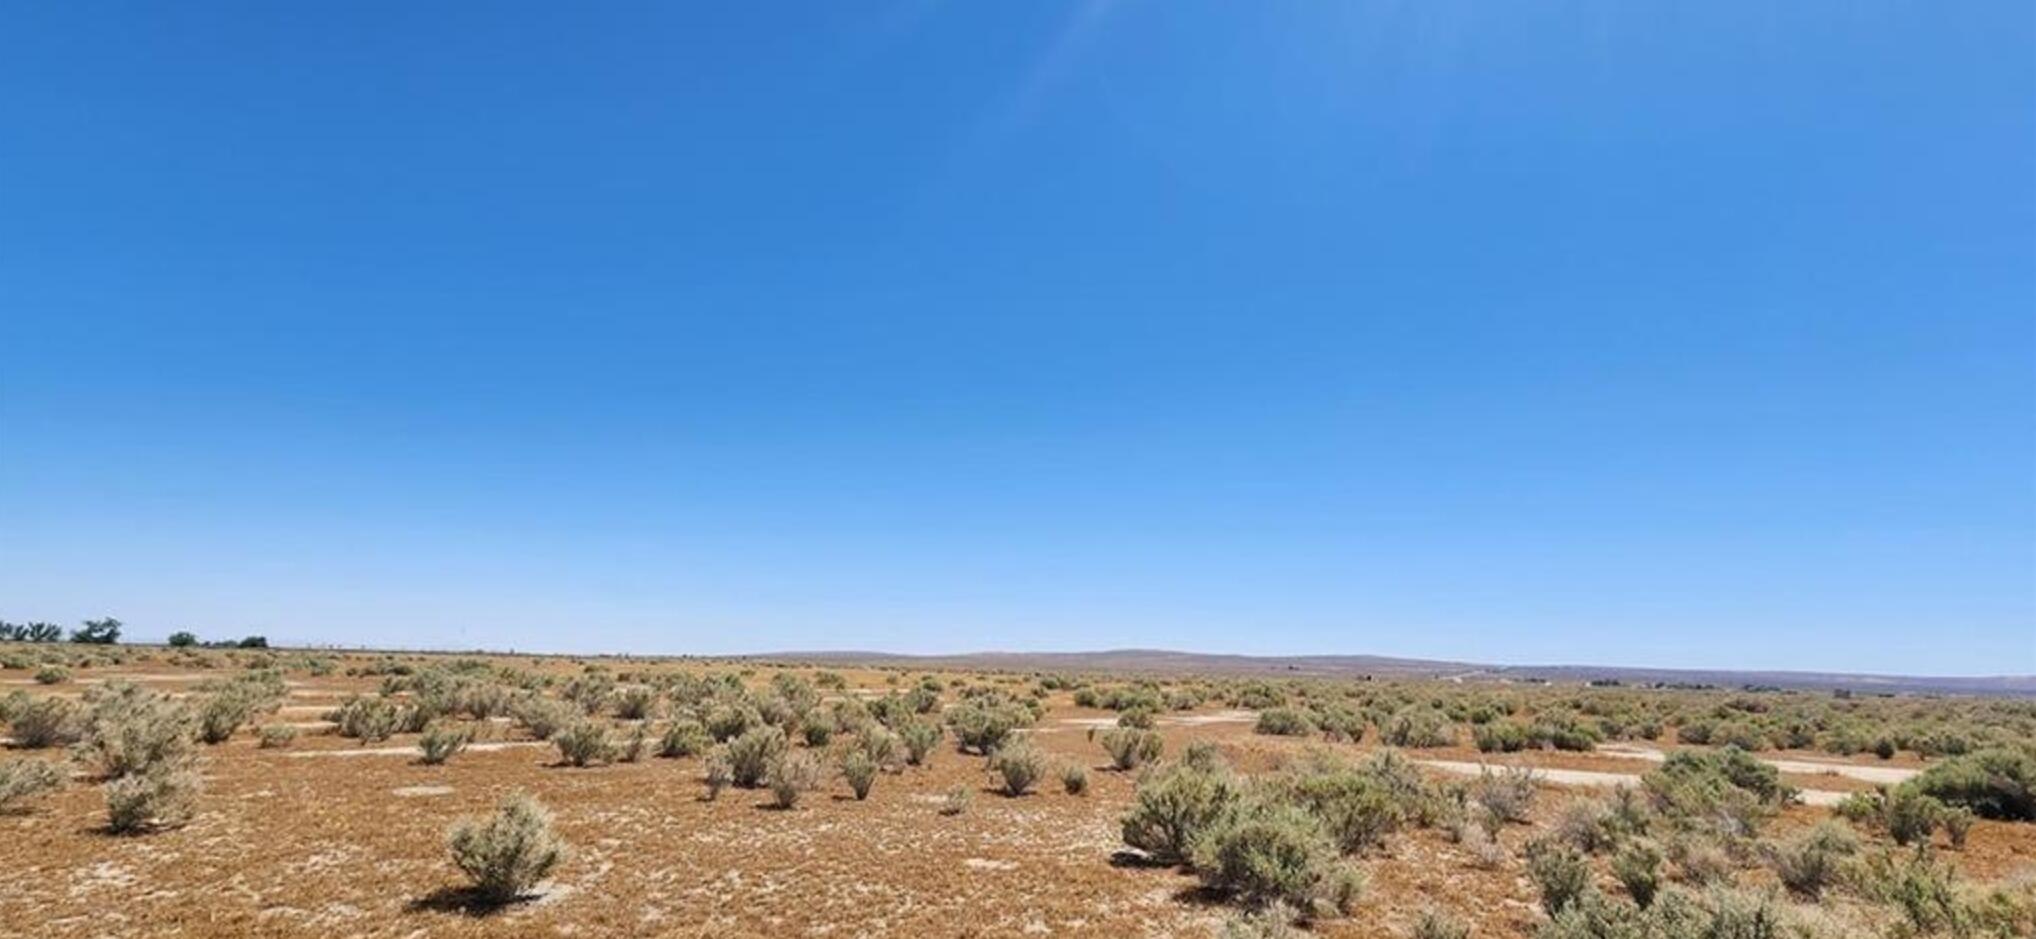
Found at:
[465, 901]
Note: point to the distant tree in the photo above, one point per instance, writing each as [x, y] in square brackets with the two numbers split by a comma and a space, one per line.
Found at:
[183, 640]
[44, 632]
[101, 632]
[12, 632]
[255, 642]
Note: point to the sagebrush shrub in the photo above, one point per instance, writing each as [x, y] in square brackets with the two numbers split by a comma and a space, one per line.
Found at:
[919, 738]
[543, 716]
[726, 722]
[1507, 795]
[1074, 779]
[957, 800]
[1813, 860]
[793, 774]
[880, 745]
[1559, 871]
[716, 773]
[1637, 867]
[1910, 815]
[984, 724]
[162, 796]
[367, 719]
[275, 736]
[129, 730]
[1284, 722]
[1997, 783]
[683, 738]
[750, 756]
[221, 714]
[1020, 765]
[52, 675]
[584, 743]
[1271, 851]
[1130, 747]
[860, 771]
[45, 722]
[1356, 808]
[1419, 727]
[441, 742]
[636, 703]
[1588, 825]
[1175, 804]
[24, 779]
[507, 854]
[1434, 925]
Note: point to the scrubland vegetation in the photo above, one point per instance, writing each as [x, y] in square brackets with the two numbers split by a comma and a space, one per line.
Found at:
[1263, 807]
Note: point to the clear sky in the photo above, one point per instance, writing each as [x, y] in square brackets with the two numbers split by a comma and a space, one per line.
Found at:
[1697, 334]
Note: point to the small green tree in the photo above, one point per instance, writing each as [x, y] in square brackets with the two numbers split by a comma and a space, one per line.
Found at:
[100, 632]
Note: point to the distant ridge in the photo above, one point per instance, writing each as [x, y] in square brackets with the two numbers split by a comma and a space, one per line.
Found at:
[1163, 661]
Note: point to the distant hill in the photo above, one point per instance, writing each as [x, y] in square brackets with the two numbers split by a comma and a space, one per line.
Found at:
[1166, 662]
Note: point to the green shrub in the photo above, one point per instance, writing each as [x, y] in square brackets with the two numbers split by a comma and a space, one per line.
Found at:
[1559, 871]
[583, 743]
[1637, 867]
[1728, 783]
[683, 738]
[368, 720]
[880, 745]
[163, 795]
[1419, 727]
[1271, 851]
[509, 853]
[543, 717]
[636, 703]
[1020, 765]
[1507, 795]
[1356, 808]
[727, 722]
[1813, 860]
[441, 742]
[45, 722]
[1587, 825]
[275, 736]
[983, 724]
[717, 772]
[1074, 779]
[860, 771]
[25, 779]
[1130, 747]
[1284, 722]
[1910, 816]
[128, 730]
[919, 737]
[1997, 783]
[223, 713]
[818, 728]
[750, 756]
[1175, 804]
[1499, 737]
[793, 774]
[957, 800]
[52, 675]
[1433, 925]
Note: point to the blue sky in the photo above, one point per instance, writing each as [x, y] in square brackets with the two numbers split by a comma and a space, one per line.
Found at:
[1687, 335]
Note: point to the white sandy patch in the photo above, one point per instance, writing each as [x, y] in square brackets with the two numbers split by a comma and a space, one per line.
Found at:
[414, 792]
[1886, 775]
[1581, 777]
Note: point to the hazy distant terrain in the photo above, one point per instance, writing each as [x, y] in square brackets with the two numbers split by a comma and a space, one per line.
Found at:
[1163, 661]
